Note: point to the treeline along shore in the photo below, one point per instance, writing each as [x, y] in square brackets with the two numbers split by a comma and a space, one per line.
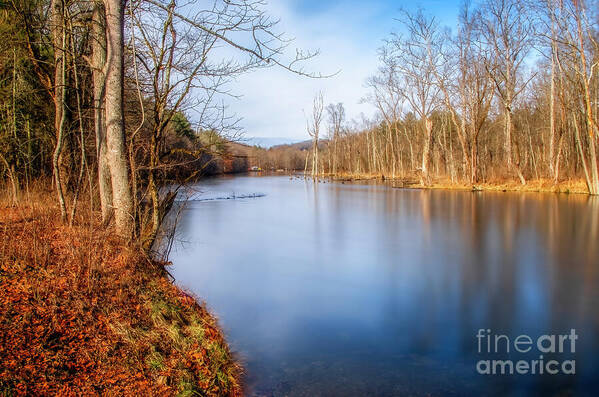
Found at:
[508, 98]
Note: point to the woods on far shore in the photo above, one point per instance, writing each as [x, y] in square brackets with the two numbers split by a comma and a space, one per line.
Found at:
[510, 96]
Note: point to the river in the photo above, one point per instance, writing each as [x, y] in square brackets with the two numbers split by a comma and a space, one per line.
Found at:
[340, 289]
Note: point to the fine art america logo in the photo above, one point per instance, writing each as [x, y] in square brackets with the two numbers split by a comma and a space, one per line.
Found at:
[523, 345]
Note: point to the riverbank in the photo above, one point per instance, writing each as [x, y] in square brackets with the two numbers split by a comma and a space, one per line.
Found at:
[82, 312]
[534, 185]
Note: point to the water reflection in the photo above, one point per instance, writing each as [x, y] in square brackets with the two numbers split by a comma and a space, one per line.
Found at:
[345, 289]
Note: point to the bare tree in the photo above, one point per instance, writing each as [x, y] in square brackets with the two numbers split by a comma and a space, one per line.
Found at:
[577, 59]
[336, 118]
[414, 61]
[586, 70]
[387, 95]
[507, 31]
[98, 66]
[313, 123]
[473, 88]
[59, 38]
[176, 63]
[172, 70]
[115, 127]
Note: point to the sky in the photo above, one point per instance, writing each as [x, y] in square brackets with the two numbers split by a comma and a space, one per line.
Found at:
[274, 103]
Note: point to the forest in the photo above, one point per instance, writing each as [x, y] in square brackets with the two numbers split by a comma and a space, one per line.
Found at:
[510, 94]
[113, 101]
[108, 108]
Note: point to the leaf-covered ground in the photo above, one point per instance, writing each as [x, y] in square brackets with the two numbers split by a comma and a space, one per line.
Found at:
[83, 313]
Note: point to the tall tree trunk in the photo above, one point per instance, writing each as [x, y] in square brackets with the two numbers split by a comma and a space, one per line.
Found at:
[152, 187]
[59, 40]
[511, 166]
[557, 159]
[115, 129]
[582, 155]
[507, 142]
[306, 163]
[412, 166]
[588, 101]
[316, 156]
[99, 81]
[83, 157]
[466, 146]
[10, 170]
[335, 154]
[594, 188]
[552, 168]
[474, 156]
[428, 124]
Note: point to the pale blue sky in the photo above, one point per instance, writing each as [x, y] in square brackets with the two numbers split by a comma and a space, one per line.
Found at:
[348, 34]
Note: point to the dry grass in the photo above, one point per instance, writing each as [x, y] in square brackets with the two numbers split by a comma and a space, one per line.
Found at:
[577, 186]
[82, 312]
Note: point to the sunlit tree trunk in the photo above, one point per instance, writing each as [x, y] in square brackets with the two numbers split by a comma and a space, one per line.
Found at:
[59, 37]
[428, 126]
[99, 79]
[552, 167]
[115, 129]
[591, 123]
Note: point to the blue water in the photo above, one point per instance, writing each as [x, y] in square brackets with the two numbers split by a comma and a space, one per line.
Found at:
[339, 289]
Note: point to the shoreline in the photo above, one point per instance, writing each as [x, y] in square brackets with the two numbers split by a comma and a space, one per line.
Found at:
[541, 185]
[87, 313]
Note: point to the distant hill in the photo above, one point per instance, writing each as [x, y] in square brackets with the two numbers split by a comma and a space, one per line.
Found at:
[268, 142]
[303, 145]
[239, 148]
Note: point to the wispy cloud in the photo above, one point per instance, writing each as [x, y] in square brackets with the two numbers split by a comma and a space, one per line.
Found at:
[348, 35]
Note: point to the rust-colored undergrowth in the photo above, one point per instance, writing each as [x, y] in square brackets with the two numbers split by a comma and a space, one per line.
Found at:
[82, 312]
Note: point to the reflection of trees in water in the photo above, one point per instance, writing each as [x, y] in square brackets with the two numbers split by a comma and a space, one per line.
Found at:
[510, 262]
[548, 249]
[413, 274]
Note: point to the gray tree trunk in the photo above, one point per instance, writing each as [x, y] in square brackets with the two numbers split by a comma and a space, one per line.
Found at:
[99, 80]
[59, 42]
[428, 124]
[115, 129]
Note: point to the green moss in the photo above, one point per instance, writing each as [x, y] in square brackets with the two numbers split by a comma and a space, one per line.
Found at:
[155, 361]
[186, 388]
[195, 330]
[217, 353]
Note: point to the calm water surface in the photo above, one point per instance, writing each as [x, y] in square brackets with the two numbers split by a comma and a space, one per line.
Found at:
[347, 289]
